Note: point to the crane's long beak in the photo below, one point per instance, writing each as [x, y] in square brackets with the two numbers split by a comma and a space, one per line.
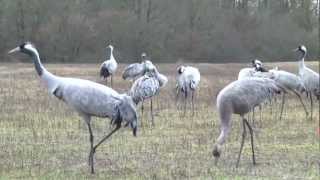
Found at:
[295, 50]
[14, 50]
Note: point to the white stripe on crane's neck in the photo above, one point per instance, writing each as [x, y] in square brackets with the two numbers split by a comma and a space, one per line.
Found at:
[301, 61]
[111, 54]
[36, 58]
[49, 80]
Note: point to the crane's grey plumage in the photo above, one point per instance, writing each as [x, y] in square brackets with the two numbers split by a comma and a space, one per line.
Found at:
[289, 81]
[108, 68]
[136, 70]
[87, 98]
[309, 77]
[187, 82]
[148, 86]
[240, 97]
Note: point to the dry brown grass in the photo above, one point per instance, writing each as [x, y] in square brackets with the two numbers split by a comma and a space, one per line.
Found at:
[40, 137]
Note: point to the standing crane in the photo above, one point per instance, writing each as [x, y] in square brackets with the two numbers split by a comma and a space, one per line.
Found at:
[289, 81]
[240, 97]
[309, 78]
[187, 83]
[147, 87]
[108, 68]
[87, 98]
[135, 70]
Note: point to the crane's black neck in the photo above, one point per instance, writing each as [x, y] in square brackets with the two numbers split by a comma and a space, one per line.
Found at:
[36, 60]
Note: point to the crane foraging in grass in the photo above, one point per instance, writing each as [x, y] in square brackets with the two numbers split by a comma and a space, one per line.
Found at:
[147, 87]
[187, 83]
[108, 68]
[135, 70]
[87, 98]
[309, 77]
[239, 97]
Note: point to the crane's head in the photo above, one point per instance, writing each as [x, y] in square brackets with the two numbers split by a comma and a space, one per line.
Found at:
[110, 46]
[26, 47]
[258, 66]
[180, 69]
[302, 49]
[148, 65]
[256, 63]
[143, 55]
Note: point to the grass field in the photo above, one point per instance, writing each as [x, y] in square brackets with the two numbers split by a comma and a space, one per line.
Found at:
[42, 138]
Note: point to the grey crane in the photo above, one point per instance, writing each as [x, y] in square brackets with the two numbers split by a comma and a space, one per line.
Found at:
[309, 77]
[239, 97]
[108, 68]
[147, 87]
[187, 82]
[249, 72]
[87, 98]
[135, 70]
[289, 81]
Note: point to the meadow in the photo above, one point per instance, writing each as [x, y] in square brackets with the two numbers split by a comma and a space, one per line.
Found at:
[42, 138]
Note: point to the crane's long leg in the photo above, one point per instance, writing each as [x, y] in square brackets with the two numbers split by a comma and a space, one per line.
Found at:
[93, 149]
[311, 101]
[142, 108]
[177, 98]
[303, 105]
[151, 110]
[260, 109]
[185, 102]
[253, 116]
[192, 103]
[111, 81]
[282, 105]
[90, 159]
[244, 134]
[252, 145]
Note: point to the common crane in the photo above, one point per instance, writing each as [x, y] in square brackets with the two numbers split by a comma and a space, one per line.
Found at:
[108, 68]
[135, 70]
[147, 87]
[87, 98]
[309, 77]
[240, 97]
[187, 83]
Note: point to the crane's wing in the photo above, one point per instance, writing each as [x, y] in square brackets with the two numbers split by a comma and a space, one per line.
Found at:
[133, 71]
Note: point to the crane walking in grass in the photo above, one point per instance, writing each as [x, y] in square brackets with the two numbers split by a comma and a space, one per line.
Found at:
[148, 86]
[187, 83]
[109, 67]
[87, 98]
[240, 97]
[309, 77]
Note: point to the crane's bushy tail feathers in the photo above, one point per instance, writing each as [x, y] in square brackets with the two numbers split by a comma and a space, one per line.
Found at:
[128, 114]
[104, 72]
[192, 84]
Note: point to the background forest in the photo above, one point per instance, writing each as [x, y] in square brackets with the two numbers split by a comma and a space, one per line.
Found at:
[168, 30]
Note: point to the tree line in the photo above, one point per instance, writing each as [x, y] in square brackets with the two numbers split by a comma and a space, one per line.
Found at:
[168, 30]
